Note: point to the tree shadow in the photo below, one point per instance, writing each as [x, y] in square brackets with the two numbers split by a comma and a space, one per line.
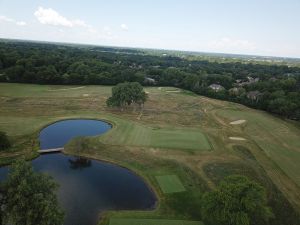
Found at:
[80, 163]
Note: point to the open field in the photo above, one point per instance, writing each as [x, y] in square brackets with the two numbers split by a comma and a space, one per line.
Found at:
[152, 222]
[175, 133]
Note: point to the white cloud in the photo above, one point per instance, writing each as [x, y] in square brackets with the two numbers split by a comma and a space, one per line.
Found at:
[10, 20]
[107, 30]
[80, 23]
[124, 27]
[51, 17]
[6, 19]
[48, 16]
[21, 23]
[229, 44]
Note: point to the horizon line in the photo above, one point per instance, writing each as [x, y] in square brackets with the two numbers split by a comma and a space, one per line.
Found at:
[158, 49]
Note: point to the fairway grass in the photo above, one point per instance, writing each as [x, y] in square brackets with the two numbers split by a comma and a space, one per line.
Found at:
[170, 184]
[115, 221]
[135, 134]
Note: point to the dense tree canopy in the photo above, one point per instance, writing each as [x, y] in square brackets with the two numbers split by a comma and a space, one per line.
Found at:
[126, 94]
[237, 201]
[277, 87]
[4, 141]
[29, 198]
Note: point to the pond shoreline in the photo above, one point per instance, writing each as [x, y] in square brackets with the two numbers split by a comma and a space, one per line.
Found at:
[138, 175]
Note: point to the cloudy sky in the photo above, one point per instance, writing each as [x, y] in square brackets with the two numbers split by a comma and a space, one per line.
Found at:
[263, 27]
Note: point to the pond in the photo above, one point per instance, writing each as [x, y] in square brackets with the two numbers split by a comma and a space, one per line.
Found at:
[88, 187]
[60, 133]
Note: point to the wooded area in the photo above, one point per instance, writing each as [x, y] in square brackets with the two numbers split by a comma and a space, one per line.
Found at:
[273, 88]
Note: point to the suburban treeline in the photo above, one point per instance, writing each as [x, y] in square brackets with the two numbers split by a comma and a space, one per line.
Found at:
[274, 88]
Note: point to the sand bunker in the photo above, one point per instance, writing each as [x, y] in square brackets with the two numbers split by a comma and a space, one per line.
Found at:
[85, 95]
[175, 91]
[237, 138]
[238, 122]
[65, 89]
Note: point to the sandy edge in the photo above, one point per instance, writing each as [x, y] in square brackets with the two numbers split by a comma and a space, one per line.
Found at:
[237, 138]
[237, 122]
[65, 89]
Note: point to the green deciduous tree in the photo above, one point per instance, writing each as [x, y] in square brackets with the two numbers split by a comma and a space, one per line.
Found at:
[4, 141]
[30, 197]
[236, 201]
[126, 94]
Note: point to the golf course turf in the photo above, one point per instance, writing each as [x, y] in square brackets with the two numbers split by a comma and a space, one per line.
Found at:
[170, 184]
[175, 133]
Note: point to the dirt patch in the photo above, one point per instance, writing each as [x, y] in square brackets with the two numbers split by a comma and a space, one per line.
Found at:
[237, 122]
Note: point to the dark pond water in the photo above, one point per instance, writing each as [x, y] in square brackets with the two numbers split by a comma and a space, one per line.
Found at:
[60, 133]
[89, 187]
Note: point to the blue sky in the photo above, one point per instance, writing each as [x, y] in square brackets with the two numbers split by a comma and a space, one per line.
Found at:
[263, 27]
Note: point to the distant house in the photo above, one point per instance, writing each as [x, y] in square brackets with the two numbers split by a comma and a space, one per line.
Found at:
[149, 81]
[216, 87]
[251, 80]
[254, 95]
[236, 91]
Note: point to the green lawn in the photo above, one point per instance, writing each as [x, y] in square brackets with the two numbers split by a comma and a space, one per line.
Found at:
[136, 134]
[114, 221]
[170, 184]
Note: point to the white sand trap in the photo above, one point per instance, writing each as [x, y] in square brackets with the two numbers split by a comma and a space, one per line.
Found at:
[66, 89]
[147, 92]
[173, 91]
[238, 122]
[159, 88]
[85, 95]
[237, 138]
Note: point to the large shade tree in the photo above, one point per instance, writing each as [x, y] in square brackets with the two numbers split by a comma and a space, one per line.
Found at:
[127, 94]
[4, 141]
[29, 198]
[236, 201]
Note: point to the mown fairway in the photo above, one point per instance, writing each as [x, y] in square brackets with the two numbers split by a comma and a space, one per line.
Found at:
[176, 133]
[170, 184]
[135, 134]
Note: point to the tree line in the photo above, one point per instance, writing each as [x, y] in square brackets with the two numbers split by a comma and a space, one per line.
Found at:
[273, 88]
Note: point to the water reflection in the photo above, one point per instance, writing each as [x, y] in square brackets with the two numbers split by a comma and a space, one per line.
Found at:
[80, 163]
